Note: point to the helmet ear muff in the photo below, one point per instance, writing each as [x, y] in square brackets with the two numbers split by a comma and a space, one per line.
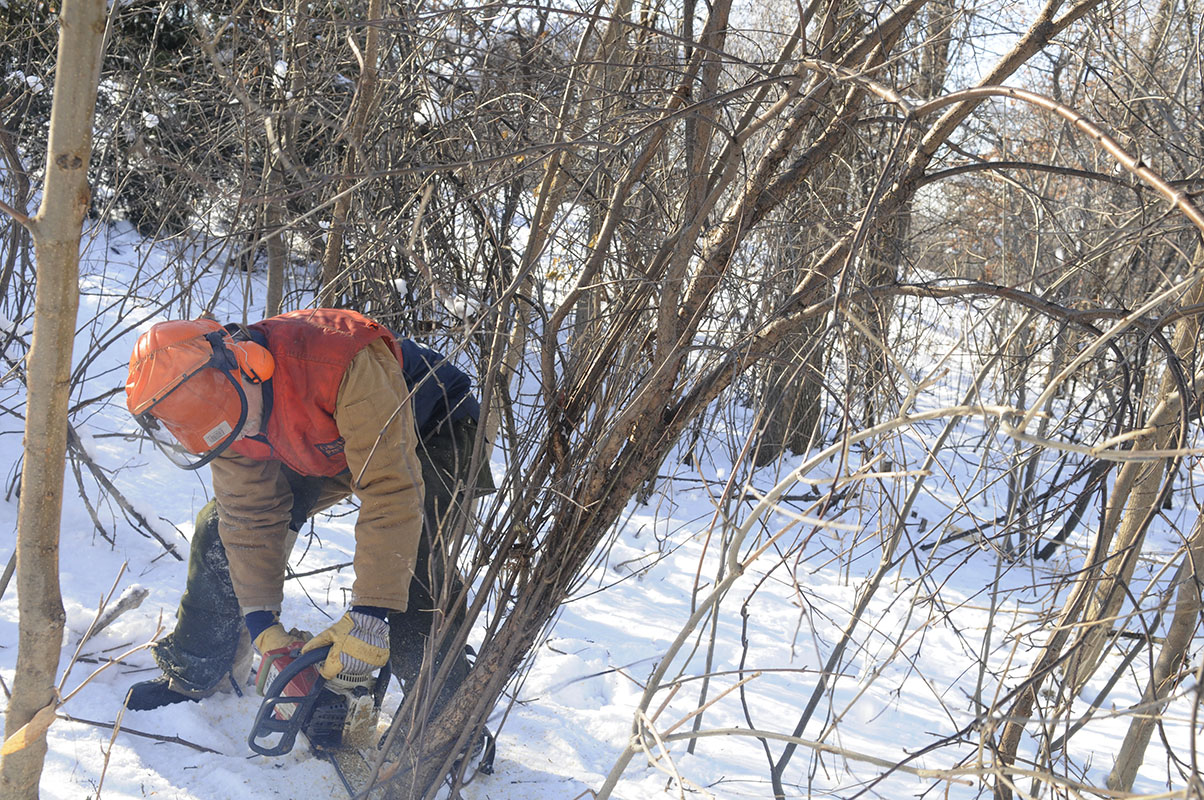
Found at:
[254, 360]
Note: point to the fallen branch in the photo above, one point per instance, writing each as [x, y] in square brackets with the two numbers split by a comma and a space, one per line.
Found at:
[318, 571]
[77, 447]
[158, 737]
[130, 599]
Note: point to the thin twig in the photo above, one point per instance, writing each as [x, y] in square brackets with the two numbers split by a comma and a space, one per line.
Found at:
[88, 633]
[951, 775]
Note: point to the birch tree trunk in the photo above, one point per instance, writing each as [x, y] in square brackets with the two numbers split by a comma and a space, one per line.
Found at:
[56, 231]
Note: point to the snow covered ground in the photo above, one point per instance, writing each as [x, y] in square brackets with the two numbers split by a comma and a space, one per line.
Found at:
[910, 684]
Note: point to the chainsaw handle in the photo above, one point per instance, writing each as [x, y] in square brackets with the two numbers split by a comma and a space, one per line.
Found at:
[266, 721]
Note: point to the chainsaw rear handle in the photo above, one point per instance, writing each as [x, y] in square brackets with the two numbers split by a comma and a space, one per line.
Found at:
[266, 721]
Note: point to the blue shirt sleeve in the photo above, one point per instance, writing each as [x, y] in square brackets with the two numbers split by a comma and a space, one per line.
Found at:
[441, 391]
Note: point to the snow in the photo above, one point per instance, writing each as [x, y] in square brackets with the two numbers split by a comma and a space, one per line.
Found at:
[33, 83]
[908, 682]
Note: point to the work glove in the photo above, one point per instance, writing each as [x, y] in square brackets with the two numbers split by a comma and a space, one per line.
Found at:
[275, 637]
[359, 645]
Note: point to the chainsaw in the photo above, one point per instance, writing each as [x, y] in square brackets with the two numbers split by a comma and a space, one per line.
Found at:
[337, 717]
[333, 714]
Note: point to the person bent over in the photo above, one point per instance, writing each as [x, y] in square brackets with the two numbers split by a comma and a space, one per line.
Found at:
[294, 414]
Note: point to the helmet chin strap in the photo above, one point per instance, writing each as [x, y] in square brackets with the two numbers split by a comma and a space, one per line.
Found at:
[227, 365]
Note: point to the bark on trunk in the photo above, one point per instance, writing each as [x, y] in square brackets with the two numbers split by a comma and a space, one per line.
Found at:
[1168, 669]
[56, 230]
[274, 216]
[334, 278]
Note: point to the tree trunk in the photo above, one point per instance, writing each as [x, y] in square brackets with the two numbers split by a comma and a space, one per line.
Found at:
[333, 277]
[56, 230]
[792, 398]
[1138, 491]
[1168, 669]
[1100, 586]
[274, 215]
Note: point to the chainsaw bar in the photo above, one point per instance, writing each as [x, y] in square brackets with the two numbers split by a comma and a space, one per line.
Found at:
[353, 769]
[296, 701]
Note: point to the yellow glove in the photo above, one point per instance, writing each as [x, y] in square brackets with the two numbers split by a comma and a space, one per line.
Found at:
[359, 645]
[276, 637]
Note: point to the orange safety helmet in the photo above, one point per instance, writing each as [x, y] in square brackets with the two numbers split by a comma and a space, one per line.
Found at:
[182, 373]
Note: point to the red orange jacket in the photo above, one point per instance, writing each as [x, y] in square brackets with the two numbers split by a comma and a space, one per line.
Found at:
[337, 406]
